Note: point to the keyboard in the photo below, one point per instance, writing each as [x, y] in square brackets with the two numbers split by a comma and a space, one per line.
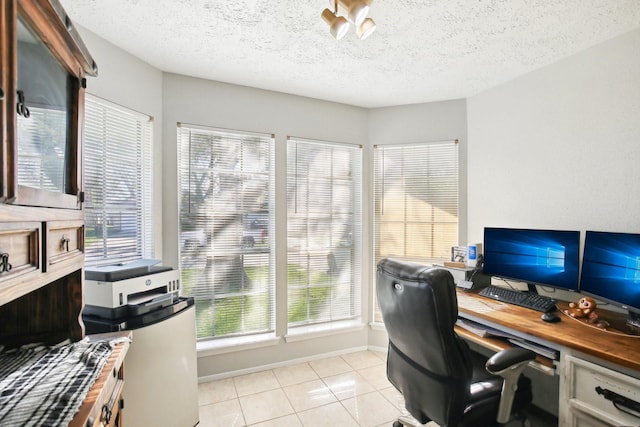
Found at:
[523, 299]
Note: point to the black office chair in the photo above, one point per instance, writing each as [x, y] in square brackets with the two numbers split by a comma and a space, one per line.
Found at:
[440, 378]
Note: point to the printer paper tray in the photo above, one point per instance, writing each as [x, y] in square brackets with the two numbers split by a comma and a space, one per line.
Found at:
[137, 307]
[96, 324]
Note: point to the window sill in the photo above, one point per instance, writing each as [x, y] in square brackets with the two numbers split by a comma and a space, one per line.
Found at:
[377, 326]
[229, 345]
[324, 330]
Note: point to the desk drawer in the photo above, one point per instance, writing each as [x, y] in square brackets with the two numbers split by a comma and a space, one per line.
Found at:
[582, 419]
[592, 389]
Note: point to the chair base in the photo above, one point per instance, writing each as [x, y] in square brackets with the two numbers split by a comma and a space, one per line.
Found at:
[409, 421]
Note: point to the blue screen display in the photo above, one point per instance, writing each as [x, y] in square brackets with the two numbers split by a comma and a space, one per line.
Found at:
[545, 257]
[611, 268]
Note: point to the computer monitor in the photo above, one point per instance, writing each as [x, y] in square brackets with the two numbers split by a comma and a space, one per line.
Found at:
[538, 257]
[611, 270]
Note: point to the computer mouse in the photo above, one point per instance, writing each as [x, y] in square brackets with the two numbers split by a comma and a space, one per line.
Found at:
[550, 317]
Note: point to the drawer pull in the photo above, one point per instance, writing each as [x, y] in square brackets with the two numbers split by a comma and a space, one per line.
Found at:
[5, 265]
[624, 404]
[106, 414]
[64, 243]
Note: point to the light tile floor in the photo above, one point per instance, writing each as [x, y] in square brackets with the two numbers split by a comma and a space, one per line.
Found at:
[351, 390]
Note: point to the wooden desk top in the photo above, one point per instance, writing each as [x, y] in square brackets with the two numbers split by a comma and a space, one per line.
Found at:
[613, 347]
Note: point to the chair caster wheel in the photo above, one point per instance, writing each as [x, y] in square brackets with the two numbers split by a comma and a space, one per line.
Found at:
[397, 424]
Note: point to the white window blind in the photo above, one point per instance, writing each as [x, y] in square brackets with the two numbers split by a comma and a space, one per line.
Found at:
[416, 202]
[226, 228]
[118, 183]
[324, 183]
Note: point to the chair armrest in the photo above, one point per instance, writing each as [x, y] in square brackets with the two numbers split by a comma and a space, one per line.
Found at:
[508, 364]
[506, 358]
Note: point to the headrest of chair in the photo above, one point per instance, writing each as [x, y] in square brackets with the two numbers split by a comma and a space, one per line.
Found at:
[408, 271]
[419, 309]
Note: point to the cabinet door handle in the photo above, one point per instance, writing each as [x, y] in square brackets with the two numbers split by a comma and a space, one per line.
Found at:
[21, 107]
[5, 265]
[1, 94]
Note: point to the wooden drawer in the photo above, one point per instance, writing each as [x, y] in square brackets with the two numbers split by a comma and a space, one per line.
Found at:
[590, 383]
[104, 399]
[64, 241]
[110, 413]
[19, 254]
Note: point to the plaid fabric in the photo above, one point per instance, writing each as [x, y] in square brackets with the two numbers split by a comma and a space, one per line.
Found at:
[45, 386]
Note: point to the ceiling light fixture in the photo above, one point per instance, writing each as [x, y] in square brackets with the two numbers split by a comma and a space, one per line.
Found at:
[338, 25]
[365, 29]
[356, 11]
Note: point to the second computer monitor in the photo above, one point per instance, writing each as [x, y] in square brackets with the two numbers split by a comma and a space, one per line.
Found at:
[611, 268]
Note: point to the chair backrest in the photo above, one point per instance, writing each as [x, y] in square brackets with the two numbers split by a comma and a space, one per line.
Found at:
[427, 361]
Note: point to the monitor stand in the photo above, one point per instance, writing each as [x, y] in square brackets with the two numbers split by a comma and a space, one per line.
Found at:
[532, 288]
[633, 321]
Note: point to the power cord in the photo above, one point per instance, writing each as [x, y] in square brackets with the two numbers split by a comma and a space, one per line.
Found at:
[478, 267]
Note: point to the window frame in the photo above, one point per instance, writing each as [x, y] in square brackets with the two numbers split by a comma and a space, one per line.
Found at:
[115, 123]
[242, 249]
[378, 205]
[338, 247]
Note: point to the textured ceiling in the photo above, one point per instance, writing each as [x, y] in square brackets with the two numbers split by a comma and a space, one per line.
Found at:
[422, 51]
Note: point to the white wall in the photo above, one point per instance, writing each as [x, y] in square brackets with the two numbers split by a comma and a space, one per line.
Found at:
[559, 148]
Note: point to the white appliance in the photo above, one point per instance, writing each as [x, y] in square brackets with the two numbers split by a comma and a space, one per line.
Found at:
[161, 380]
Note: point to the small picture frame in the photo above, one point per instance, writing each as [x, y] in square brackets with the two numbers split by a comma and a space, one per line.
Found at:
[459, 254]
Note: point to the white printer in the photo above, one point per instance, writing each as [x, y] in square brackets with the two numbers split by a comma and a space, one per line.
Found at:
[132, 289]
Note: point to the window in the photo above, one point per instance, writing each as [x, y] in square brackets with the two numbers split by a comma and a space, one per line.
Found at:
[416, 202]
[118, 183]
[226, 245]
[323, 231]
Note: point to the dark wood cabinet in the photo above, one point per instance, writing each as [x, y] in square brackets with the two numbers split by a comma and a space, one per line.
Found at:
[44, 65]
[42, 89]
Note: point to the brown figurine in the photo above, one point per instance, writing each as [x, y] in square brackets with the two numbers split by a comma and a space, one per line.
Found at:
[584, 308]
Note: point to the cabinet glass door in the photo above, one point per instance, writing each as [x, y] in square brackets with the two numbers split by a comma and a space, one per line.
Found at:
[45, 156]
